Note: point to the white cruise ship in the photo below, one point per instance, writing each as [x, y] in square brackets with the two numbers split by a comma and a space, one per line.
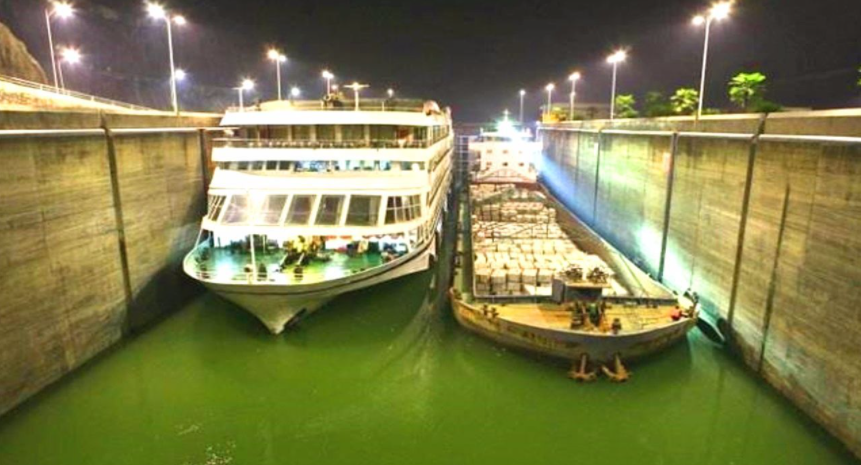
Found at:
[310, 201]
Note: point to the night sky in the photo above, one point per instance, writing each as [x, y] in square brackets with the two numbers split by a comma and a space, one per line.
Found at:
[473, 55]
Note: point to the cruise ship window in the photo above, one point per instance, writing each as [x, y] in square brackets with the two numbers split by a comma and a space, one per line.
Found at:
[270, 211]
[403, 208]
[257, 166]
[272, 165]
[363, 210]
[300, 209]
[380, 132]
[234, 165]
[353, 132]
[243, 166]
[216, 203]
[301, 132]
[325, 133]
[416, 205]
[329, 213]
[237, 210]
[285, 166]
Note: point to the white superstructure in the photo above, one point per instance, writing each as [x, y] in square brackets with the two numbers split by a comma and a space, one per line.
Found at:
[311, 201]
[504, 156]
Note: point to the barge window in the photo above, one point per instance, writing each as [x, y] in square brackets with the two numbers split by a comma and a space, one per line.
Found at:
[237, 210]
[270, 211]
[300, 209]
[364, 210]
[216, 203]
[329, 213]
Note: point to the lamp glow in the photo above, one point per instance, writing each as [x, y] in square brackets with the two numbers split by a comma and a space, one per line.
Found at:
[156, 11]
[295, 92]
[180, 75]
[720, 10]
[617, 57]
[575, 76]
[247, 84]
[70, 55]
[698, 20]
[62, 10]
[179, 20]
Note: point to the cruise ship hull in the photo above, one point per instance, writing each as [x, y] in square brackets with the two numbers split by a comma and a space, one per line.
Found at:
[278, 306]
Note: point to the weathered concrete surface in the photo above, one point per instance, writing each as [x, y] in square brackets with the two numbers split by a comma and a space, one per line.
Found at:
[90, 226]
[795, 312]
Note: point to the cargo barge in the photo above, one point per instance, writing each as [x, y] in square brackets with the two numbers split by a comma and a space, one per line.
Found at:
[531, 275]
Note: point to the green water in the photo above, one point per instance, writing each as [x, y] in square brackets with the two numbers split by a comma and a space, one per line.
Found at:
[384, 376]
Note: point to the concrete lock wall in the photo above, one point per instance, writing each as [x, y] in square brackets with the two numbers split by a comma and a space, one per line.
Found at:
[91, 223]
[765, 229]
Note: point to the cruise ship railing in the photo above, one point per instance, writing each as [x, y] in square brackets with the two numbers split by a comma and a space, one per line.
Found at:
[397, 105]
[307, 144]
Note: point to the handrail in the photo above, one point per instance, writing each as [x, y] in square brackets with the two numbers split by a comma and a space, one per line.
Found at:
[326, 144]
[396, 105]
[72, 93]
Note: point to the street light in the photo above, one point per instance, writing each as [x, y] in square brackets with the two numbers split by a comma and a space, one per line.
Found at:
[328, 77]
[295, 92]
[614, 59]
[247, 84]
[356, 88]
[549, 88]
[390, 92]
[522, 96]
[181, 75]
[718, 11]
[61, 10]
[278, 58]
[158, 12]
[574, 77]
[69, 55]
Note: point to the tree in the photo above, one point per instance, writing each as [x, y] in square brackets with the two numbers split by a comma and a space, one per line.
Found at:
[656, 104]
[685, 101]
[625, 106]
[747, 89]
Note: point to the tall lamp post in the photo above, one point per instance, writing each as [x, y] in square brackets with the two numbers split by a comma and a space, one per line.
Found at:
[356, 88]
[718, 12]
[549, 88]
[574, 77]
[328, 77]
[61, 10]
[157, 11]
[615, 59]
[69, 55]
[522, 96]
[247, 84]
[279, 59]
